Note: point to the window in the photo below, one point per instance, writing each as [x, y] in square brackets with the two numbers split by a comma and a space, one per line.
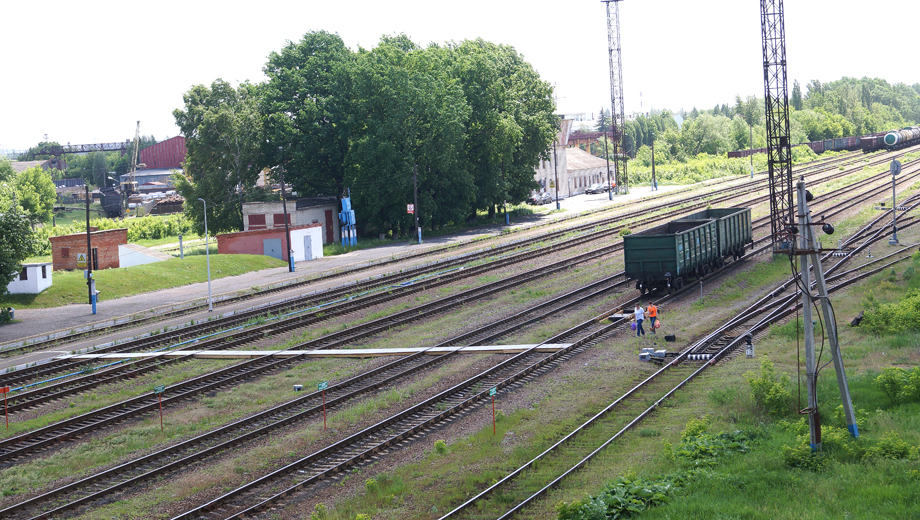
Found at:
[278, 219]
[256, 221]
[24, 275]
[44, 271]
[65, 252]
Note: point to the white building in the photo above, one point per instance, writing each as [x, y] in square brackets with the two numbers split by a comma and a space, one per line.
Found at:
[584, 170]
[547, 171]
[33, 279]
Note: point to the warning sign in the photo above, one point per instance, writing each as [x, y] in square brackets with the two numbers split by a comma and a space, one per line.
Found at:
[410, 208]
[81, 260]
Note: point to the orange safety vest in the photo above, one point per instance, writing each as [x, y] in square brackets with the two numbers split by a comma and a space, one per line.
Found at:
[652, 311]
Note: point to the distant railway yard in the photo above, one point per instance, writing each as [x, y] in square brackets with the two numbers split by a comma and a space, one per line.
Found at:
[491, 379]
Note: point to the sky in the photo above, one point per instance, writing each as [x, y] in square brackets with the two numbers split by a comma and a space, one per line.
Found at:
[86, 72]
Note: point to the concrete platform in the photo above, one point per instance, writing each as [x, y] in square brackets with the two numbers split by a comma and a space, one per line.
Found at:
[340, 353]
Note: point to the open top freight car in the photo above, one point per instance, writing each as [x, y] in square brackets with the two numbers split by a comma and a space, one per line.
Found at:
[667, 255]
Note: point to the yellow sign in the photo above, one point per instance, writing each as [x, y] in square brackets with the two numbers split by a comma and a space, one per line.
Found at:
[81, 260]
[552, 184]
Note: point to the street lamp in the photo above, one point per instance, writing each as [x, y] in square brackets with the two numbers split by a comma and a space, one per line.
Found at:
[207, 252]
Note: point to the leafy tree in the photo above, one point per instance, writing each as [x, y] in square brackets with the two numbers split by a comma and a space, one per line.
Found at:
[305, 105]
[511, 123]
[411, 115]
[796, 95]
[35, 194]
[6, 170]
[16, 243]
[706, 134]
[224, 135]
[40, 152]
[750, 111]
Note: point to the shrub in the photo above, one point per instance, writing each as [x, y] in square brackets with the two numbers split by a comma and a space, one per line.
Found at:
[440, 447]
[621, 498]
[625, 231]
[891, 446]
[893, 318]
[802, 457]
[900, 385]
[770, 393]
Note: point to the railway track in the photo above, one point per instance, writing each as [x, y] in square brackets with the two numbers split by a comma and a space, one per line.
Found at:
[16, 447]
[460, 401]
[314, 298]
[525, 485]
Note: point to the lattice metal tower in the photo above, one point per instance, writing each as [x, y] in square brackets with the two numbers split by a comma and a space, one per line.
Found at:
[617, 114]
[776, 105]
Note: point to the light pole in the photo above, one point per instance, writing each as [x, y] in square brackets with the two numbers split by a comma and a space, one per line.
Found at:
[207, 253]
[556, 171]
[606, 156]
[654, 182]
[287, 227]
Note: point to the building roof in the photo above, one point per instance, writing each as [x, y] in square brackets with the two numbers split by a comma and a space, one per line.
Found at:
[579, 159]
[19, 166]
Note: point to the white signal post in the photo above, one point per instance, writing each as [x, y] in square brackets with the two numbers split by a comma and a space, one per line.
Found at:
[895, 170]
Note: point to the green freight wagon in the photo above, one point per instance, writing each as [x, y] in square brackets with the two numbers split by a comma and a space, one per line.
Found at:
[693, 246]
[734, 229]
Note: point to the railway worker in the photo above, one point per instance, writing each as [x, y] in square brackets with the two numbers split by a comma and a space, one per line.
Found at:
[639, 316]
[652, 316]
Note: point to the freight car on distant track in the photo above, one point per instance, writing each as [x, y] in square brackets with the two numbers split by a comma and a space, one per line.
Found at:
[891, 140]
[667, 256]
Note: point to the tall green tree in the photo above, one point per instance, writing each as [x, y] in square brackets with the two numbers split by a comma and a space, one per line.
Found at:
[511, 124]
[750, 111]
[224, 136]
[35, 194]
[16, 243]
[306, 107]
[407, 113]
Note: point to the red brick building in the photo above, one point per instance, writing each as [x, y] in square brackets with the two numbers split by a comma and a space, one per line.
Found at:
[66, 248]
[306, 241]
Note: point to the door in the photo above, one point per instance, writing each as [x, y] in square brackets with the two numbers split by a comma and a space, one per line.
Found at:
[272, 247]
[330, 234]
[308, 248]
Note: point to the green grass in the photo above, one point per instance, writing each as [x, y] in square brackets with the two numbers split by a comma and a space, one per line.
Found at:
[70, 286]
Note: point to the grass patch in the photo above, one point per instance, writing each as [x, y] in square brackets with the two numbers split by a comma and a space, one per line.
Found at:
[70, 286]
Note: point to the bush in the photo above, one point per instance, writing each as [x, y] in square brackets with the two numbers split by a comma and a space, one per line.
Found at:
[440, 447]
[892, 318]
[802, 457]
[770, 393]
[625, 231]
[900, 385]
[892, 447]
[621, 498]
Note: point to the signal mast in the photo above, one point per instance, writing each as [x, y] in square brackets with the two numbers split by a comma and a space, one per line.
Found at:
[786, 227]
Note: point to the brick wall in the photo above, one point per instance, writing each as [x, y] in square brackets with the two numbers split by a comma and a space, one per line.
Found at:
[64, 249]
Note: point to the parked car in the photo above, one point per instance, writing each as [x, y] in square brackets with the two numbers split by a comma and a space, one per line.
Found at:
[596, 188]
[545, 198]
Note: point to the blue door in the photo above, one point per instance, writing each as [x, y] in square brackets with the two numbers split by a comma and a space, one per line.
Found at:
[272, 247]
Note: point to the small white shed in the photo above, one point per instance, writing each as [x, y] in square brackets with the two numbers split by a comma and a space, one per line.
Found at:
[307, 243]
[33, 279]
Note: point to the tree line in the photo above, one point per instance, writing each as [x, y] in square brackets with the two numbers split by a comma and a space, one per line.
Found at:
[469, 119]
[842, 108]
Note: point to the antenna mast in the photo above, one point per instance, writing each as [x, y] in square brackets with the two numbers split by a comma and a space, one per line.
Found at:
[617, 114]
[132, 184]
[776, 109]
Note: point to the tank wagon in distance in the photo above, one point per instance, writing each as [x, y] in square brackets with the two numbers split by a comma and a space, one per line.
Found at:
[693, 246]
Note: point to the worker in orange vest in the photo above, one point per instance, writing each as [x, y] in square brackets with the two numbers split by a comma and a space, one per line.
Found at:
[652, 316]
